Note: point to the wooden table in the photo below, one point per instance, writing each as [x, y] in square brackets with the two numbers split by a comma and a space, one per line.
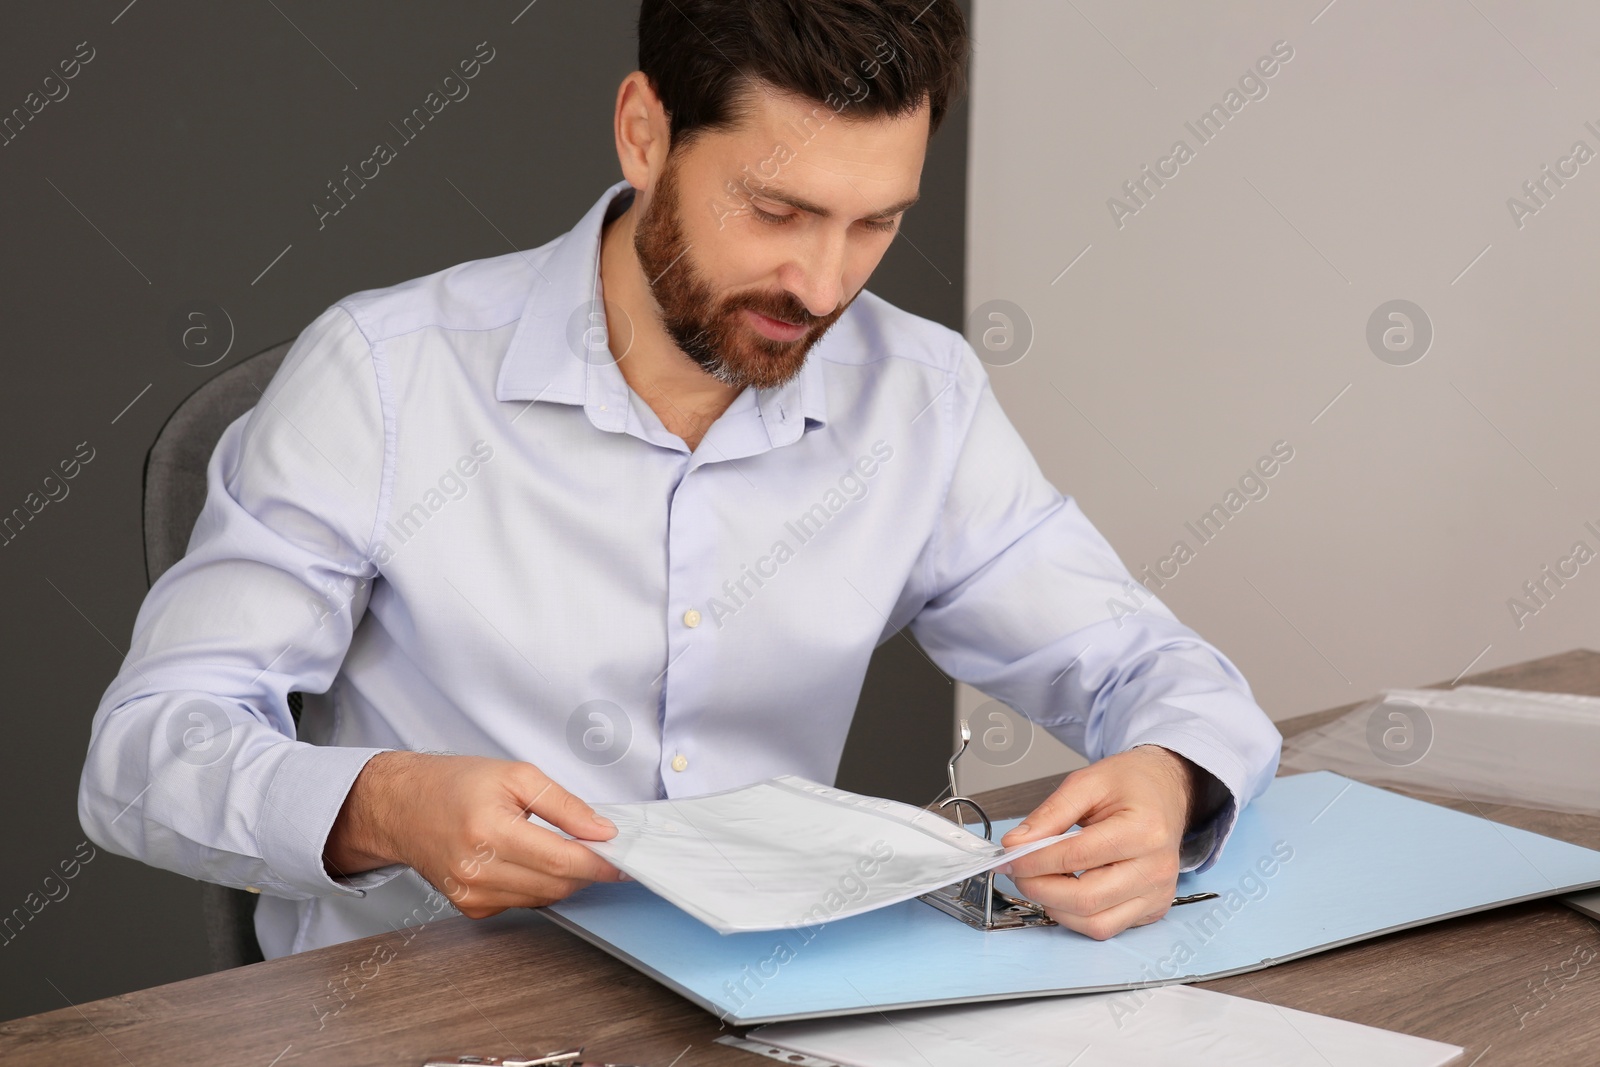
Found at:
[518, 983]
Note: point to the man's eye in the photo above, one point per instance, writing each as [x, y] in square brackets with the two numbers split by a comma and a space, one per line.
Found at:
[775, 220]
[876, 225]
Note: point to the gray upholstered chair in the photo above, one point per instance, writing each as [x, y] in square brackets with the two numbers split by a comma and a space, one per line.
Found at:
[174, 491]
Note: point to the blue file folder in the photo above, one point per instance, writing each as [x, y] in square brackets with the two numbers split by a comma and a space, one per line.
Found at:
[1317, 862]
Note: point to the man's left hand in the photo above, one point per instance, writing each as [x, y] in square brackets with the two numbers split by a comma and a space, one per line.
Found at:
[1134, 808]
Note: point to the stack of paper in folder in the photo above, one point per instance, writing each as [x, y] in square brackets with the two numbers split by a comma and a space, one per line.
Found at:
[1475, 742]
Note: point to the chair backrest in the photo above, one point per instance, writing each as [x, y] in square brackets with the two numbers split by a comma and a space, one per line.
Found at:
[174, 493]
[175, 469]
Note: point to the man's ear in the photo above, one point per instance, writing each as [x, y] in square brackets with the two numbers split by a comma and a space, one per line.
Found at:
[642, 129]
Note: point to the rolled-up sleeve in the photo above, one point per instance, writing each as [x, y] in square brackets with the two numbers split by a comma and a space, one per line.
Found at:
[193, 763]
[1027, 602]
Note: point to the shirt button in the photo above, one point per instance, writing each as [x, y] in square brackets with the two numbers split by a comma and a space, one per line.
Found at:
[680, 762]
[691, 618]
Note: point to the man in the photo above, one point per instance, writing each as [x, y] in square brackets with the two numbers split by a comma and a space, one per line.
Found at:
[623, 517]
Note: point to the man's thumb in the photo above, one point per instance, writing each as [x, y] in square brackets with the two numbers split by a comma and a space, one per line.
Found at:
[1059, 812]
[561, 809]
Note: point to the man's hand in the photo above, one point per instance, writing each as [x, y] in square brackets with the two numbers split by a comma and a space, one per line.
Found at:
[1133, 807]
[461, 823]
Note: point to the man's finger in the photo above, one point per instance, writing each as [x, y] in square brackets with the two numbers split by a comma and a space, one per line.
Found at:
[536, 849]
[1109, 923]
[1060, 811]
[1101, 888]
[508, 885]
[538, 793]
[1098, 844]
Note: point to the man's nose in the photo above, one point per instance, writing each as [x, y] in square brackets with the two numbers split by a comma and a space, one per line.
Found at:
[818, 280]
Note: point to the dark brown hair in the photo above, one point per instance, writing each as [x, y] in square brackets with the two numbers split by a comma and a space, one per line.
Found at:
[863, 58]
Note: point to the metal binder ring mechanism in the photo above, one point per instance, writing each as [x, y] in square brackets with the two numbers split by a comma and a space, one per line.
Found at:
[976, 901]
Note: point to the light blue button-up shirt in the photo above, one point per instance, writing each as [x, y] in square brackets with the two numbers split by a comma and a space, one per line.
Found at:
[451, 519]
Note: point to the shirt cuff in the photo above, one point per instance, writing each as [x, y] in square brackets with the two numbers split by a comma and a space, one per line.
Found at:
[302, 802]
[1203, 845]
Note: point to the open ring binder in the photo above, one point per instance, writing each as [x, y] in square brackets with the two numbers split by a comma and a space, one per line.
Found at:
[976, 901]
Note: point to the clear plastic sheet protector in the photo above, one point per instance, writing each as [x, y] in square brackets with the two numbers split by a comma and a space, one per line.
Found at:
[788, 852]
[1501, 746]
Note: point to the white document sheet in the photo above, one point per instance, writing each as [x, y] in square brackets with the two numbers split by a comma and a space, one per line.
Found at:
[788, 853]
[1139, 1028]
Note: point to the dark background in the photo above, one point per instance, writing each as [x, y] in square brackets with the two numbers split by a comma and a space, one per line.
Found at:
[183, 161]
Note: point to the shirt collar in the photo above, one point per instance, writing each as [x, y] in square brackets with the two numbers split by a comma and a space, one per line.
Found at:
[557, 351]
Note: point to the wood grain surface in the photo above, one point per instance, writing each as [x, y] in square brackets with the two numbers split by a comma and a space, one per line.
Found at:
[1502, 983]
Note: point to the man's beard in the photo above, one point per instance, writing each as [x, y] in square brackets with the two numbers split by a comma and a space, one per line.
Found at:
[717, 336]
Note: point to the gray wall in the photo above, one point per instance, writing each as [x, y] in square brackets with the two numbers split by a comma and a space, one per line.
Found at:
[181, 167]
[1230, 311]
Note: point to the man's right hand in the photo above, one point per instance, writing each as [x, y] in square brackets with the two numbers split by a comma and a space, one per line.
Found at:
[461, 823]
